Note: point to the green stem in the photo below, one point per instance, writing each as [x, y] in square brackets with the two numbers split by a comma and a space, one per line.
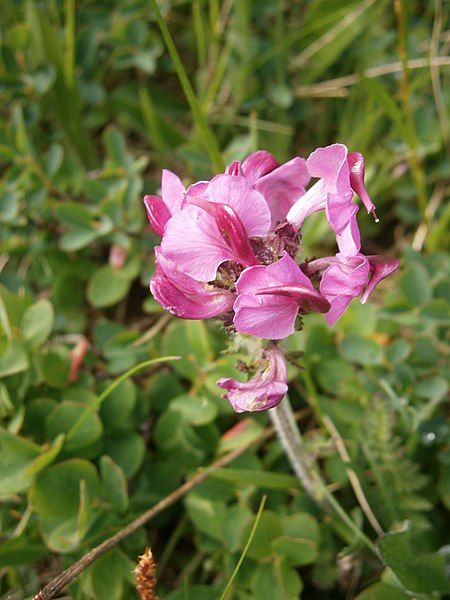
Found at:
[207, 136]
[226, 591]
[284, 422]
[92, 408]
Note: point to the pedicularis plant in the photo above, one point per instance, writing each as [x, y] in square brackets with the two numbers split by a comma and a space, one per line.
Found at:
[232, 247]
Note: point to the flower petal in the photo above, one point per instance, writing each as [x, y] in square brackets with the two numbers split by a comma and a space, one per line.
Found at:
[193, 241]
[283, 272]
[342, 281]
[283, 186]
[172, 191]
[157, 212]
[339, 305]
[330, 165]
[332, 191]
[257, 165]
[380, 267]
[265, 390]
[267, 315]
[357, 172]
[349, 241]
[183, 296]
[234, 169]
[248, 204]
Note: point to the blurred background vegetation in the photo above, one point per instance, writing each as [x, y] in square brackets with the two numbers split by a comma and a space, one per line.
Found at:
[91, 110]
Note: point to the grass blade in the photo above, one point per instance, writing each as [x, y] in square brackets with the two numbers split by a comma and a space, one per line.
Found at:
[207, 136]
[226, 591]
[97, 402]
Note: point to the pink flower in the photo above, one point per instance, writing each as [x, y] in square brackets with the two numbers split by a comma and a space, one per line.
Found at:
[380, 268]
[183, 296]
[340, 174]
[159, 210]
[281, 185]
[265, 390]
[216, 228]
[347, 277]
[270, 297]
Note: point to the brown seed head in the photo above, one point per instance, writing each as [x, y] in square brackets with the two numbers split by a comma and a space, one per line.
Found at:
[145, 573]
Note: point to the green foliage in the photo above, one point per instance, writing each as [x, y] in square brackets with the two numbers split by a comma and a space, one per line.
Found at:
[92, 432]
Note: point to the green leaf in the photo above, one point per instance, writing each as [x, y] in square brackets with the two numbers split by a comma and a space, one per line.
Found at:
[64, 415]
[269, 527]
[416, 285]
[382, 591]
[107, 286]
[127, 449]
[297, 551]
[56, 491]
[261, 479]
[360, 350]
[196, 410]
[37, 323]
[74, 214]
[432, 388]
[55, 364]
[78, 238]
[13, 360]
[108, 575]
[207, 515]
[16, 456]
[419, 573]
[20, 551]
[46, 458]
[300, 543]
[117, 407]
[333, 374]
[175, 436]
[114, 484]
[276, 581]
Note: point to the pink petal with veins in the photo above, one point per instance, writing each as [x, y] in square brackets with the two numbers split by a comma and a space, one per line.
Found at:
[264, 390]
[248, 204]
[185, 297]
[283, 186]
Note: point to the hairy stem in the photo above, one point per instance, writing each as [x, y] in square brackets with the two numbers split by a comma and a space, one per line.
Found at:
[285, 425]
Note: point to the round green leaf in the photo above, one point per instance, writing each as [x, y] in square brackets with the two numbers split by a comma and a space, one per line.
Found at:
[13, 360]
[127, 449]
[276, 581]
[416, 285]
[62, 418]
[196, 410]
[55, 364]
[361, 350]
[56, 491]
[107, 286]
[117, 407]
[37, 323]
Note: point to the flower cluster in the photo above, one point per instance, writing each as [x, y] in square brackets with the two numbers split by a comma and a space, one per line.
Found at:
[229, 248]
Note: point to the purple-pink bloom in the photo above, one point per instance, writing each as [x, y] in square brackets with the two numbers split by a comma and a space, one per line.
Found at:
[185, 297]
[340, 174]
[346, 277]
[265, 390]
[281, 185]
[160, 209]
[215, 227]
[270, 297]
[380, 268]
